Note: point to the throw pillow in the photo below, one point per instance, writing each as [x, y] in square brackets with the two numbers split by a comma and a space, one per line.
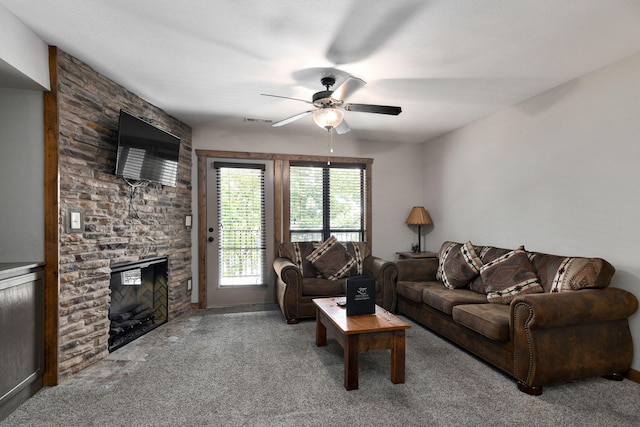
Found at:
[458, 265]
[442, 255]
[508, 276]
[297, 252]
[331, 259]
[359, 251]
[486, 254]
[577, 273]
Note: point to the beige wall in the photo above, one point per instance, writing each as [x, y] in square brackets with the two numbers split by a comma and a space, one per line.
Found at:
[24, 57]
[558, 173]
[21, 175]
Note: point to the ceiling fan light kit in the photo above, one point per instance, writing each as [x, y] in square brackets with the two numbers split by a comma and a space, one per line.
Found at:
[328, 118]
[330, 106]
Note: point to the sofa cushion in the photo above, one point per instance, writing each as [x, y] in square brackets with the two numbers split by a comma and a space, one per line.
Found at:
[508, 276]
[458, 264]
[331, 259]
[444, 299]
[413, 290]
[322, 287]
[297, 252]
[490, 320]
[560, 274]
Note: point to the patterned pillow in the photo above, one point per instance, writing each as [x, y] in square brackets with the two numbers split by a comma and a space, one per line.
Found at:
[458, 264]
[578, 273]
[486, 254]
[359, 251]
[332, 259]
[508, 276]
[297, 252]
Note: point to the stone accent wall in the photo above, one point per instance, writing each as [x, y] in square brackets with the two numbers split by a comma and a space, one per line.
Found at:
[119, 226]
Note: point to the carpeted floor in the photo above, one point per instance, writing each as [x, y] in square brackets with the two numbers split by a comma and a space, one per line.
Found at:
[252, 369]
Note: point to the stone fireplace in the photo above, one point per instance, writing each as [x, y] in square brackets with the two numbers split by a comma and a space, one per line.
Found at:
[88, 106]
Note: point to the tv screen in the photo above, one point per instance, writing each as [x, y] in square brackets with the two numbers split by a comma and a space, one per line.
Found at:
[145, 152]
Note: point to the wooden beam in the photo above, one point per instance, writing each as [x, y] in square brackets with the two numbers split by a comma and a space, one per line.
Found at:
[51, 229]
[202, 231]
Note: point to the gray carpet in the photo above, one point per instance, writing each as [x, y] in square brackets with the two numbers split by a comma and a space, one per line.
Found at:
[252, 369]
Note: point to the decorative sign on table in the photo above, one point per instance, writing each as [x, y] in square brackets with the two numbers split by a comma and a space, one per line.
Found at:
[361, 296]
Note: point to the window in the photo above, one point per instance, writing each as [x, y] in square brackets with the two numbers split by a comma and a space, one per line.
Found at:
[241, 224]
[327, 200]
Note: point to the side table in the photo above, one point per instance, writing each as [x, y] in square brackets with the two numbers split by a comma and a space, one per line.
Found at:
[416, 255]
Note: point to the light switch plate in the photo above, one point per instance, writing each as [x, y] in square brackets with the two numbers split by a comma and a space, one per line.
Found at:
[75, 221]
[187, 221]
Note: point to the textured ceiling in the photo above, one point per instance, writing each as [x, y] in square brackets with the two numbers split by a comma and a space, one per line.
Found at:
[446, 63]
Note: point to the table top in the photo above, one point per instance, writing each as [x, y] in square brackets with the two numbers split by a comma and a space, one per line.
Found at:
[417, 255]
[381, 321]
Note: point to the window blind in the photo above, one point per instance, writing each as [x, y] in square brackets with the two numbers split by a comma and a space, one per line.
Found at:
[327, 200]
[241, 224]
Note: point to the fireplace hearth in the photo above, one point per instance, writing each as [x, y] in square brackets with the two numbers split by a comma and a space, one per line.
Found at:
[139, 299]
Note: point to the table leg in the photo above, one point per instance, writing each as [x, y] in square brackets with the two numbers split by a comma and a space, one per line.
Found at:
[321, 330]
[351, 362]
[397, 358]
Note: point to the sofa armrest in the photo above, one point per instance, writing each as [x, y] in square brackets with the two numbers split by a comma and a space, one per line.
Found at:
[288, 287]
[576, 308]
[384, 272]
[565, 336]
[287, 271]
[417, 270]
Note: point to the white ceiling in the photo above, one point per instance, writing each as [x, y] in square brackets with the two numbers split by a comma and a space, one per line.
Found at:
[446, 63]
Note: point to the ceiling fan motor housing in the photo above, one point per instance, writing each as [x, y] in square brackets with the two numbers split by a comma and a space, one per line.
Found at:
[323, 99]
[328, 82]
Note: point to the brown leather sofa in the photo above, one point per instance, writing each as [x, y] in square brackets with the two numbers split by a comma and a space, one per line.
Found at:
[299, 281]
[572, 326]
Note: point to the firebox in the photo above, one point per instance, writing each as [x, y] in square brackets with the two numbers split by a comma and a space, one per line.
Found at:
[139, 299]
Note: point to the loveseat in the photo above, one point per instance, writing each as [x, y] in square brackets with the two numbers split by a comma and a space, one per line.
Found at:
[308, 270]
[543, 319]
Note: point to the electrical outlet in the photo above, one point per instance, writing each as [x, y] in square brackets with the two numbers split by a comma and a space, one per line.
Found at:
[189, 284]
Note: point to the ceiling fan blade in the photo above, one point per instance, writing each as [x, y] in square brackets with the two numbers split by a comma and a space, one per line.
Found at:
[369, 108]
[342, 127]
[348, 87]
[286, 97]
[366, 28]
[291, 119]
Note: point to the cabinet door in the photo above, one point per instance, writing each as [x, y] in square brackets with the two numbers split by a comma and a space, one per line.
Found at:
[21, 339]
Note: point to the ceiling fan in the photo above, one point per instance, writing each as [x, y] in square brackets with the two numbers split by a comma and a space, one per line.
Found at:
[330, 105]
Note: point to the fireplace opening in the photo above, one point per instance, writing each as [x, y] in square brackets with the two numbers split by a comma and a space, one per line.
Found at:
[139, 299]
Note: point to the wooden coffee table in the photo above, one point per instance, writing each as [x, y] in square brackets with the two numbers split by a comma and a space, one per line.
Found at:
[358, 334]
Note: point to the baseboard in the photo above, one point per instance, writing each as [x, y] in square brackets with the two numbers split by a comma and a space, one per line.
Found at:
[633, 375]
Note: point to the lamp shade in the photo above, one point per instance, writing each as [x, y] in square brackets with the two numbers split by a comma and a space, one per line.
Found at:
[418, 216]
[328, 118]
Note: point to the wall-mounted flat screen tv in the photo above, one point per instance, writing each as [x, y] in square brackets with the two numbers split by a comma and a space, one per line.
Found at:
[146, 152]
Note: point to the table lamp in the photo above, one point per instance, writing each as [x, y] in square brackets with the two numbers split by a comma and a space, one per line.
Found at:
[419, 216]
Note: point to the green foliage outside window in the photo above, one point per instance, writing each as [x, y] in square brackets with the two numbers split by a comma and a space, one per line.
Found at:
[326, 200]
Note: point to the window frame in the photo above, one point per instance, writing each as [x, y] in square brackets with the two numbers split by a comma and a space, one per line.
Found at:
[285, 214]
[326, 230]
